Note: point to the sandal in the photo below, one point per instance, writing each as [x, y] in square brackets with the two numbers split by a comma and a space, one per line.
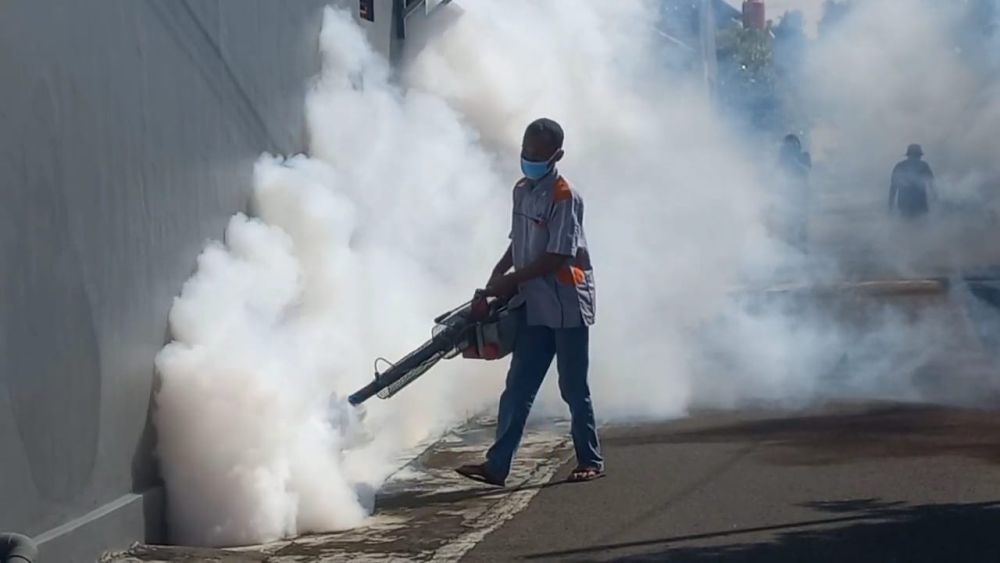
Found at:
[585, 473]
[479, 472]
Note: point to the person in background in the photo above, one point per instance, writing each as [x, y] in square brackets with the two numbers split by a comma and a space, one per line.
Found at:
[795, 166]
[912, 185]
[552, 273]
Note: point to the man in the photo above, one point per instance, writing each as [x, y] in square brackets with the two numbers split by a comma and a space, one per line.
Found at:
[552, 272]
[795, 165]
[911, 185]
[795, 162]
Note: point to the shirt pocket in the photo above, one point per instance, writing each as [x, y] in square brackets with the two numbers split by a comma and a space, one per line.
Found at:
[539, 210]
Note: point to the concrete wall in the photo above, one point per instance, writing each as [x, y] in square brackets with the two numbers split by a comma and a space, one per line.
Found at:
[127, 133]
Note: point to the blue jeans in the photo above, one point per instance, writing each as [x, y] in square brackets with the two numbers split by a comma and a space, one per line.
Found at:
[534, 348]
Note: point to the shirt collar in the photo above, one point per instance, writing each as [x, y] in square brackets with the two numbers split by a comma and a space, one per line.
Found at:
[545, 183]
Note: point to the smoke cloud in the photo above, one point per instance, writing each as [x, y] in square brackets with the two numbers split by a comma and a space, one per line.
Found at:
[811, 10]
[672, 202]
[891, 73]
[886, 74]
[353, 250]
[401, 208]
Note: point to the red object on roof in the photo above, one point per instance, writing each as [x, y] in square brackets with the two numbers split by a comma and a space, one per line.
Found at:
[754, 14]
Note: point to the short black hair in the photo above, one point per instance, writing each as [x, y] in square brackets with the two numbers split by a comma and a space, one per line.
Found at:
[548, 130]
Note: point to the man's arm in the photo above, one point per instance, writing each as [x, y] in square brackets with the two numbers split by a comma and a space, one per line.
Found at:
[503, 266]
[546, 264]
[893, 188]
[564, 232]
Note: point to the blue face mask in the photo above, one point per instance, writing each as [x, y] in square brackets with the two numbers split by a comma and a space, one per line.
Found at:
[535, 170]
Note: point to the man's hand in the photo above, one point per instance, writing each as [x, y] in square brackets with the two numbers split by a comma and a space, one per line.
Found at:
[506, 285]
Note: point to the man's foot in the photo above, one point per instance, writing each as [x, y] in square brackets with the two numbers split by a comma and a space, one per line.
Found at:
[479, 472]
[585, 473]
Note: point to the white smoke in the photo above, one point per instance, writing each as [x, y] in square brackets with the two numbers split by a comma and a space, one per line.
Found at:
[672, 206]
[399, 212]
[811, 10]
[889, 73]
[245, 457]
[895, 72]
[354, 250]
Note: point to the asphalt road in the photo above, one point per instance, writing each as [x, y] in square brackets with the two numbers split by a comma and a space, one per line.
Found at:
[858, 483]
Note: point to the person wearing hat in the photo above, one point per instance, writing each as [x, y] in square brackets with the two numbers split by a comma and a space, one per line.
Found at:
[912, 185]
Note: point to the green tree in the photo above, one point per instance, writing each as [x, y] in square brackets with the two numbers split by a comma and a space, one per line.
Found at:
[747, 74]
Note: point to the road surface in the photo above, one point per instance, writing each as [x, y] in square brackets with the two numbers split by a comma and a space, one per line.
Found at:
[875, 482]
[859, 483]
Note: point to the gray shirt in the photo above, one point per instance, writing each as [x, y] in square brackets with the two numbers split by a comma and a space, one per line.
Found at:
[548, 218]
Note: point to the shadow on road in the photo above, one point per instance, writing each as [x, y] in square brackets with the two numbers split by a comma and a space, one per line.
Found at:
[858, 531]
[879, 432]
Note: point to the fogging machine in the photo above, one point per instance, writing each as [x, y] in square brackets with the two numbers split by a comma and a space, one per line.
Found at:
[482, 329]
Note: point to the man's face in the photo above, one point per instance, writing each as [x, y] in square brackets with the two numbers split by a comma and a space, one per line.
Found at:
[536, 148]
